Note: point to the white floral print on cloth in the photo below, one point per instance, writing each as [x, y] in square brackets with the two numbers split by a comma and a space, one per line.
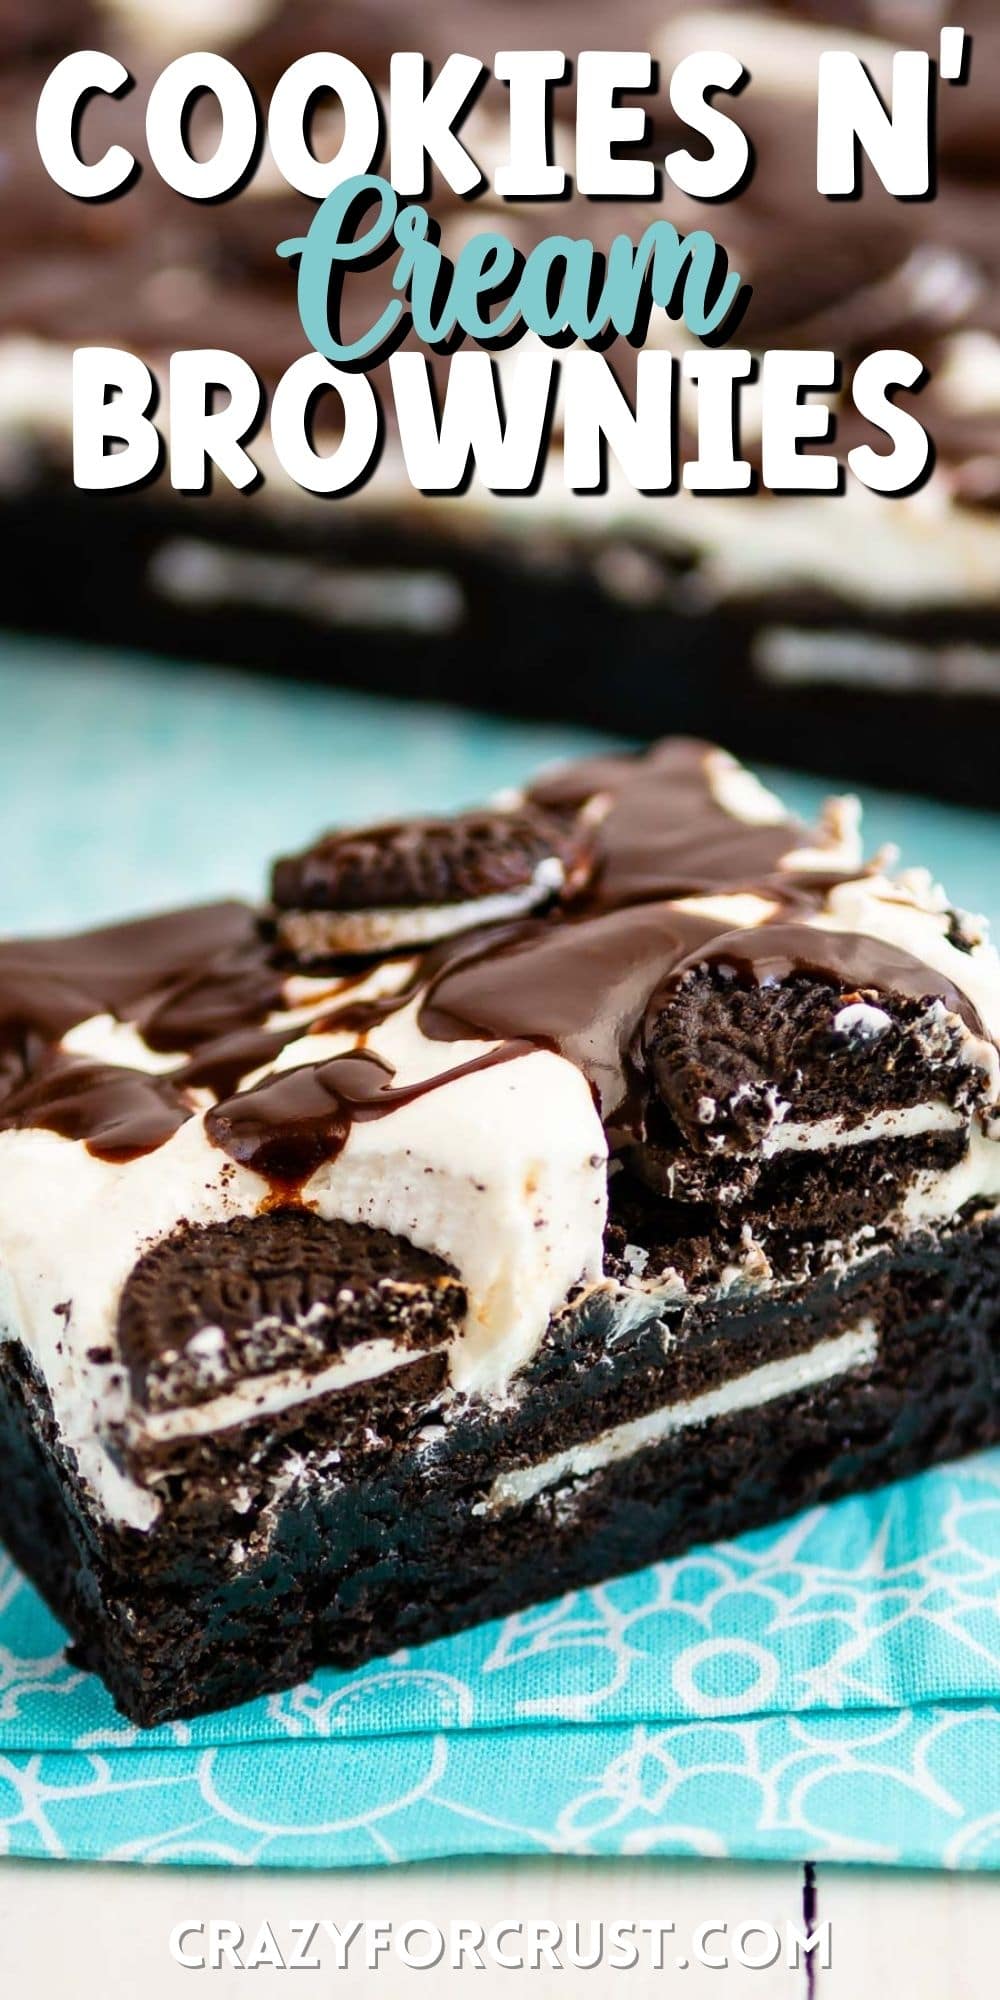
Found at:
[828, 1687]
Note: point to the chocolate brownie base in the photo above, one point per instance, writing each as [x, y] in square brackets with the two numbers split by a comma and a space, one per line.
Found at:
[414, 1535]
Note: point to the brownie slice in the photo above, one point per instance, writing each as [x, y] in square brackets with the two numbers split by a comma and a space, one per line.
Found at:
[345, 1303]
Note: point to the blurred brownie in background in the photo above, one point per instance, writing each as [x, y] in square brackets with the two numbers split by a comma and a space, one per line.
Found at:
[853, 632]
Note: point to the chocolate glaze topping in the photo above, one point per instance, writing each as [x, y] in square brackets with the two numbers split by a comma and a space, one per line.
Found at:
[120, 1113]
[182, 978]
[196, 980]
[590, 980]
[585, 985]
[579, 988]
[853, 276]
[665, 834]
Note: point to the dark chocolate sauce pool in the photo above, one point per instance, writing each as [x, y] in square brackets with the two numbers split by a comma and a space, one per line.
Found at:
[120, 1113]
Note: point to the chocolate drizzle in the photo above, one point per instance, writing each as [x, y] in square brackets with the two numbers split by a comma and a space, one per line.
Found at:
[288, 1125]
[295, 1121]
[120, 1113]
[588, 980]
[579, 988]
[181, 977]
[197, 981]
[665, 835]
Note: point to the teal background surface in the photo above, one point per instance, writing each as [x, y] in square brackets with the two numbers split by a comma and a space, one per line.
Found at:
[127, 783]
[827, 1688]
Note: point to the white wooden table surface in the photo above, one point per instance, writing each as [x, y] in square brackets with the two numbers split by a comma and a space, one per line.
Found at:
[80, 1933]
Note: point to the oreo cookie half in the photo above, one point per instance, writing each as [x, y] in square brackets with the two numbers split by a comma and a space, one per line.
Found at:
[212, 1306]
[410, 882]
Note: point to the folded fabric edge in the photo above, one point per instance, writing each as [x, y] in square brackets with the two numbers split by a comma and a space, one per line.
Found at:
[912, 1788]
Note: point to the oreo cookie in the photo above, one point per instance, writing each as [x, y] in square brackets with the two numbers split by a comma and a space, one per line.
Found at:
[210, 1306]
[409, 882]
[727, 1062]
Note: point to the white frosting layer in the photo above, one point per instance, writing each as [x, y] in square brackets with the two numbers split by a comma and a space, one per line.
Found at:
[171, 27]
[503, 1172]
[840, 846]
[789, 656]
[199, 574]
[976, 1177]
[739, 912]
[855, 1349]
[740, 793]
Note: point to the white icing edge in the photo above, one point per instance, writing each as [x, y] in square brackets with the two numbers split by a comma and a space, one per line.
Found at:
[740, 794]
[103, 1039]
[968, 373]
[170, 27]
[795, 656]
[742, 911]
[840, 845]
[781, 54]
[379, 599]
[856, 1348]
[975, 1178]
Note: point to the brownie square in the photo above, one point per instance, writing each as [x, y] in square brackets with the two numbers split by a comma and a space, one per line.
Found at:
[512, 1199]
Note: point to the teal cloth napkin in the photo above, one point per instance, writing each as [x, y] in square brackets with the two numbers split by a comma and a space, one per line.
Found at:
[829, 1687]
